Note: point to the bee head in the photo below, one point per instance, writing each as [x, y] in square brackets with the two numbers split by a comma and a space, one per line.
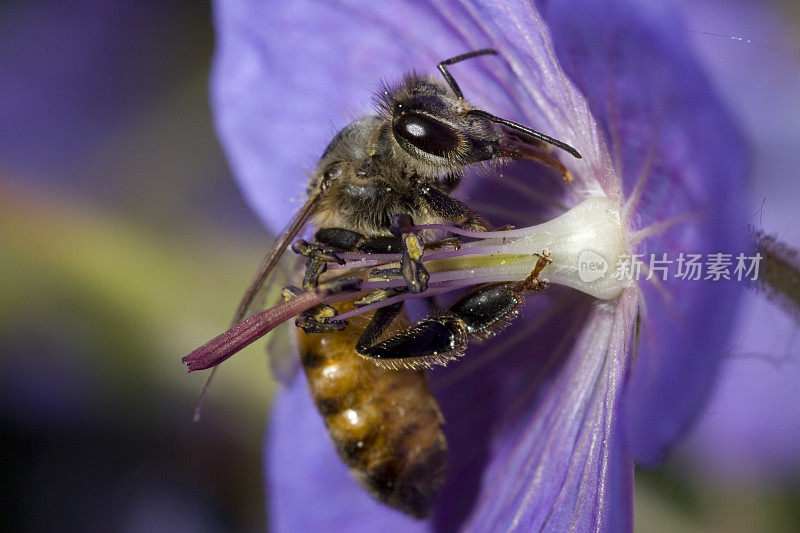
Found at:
[433, 123]
[434, 126]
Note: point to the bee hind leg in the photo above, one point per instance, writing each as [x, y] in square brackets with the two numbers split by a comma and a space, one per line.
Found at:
[440, 339]
[431, 341]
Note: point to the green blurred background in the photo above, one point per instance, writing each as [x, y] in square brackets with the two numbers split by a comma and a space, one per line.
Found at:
[124, 244]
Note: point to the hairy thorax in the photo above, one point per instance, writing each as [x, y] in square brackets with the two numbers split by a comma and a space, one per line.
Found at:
[371, 184]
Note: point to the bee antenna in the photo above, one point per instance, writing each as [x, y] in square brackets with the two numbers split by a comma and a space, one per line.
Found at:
[527, 131]
[511, 124]
[469, 55]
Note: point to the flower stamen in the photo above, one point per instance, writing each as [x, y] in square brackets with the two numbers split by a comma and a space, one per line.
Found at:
[641, 180]
[660, 227]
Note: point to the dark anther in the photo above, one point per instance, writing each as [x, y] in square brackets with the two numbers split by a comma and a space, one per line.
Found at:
[316, 251]
[320, 319]
[385, 273]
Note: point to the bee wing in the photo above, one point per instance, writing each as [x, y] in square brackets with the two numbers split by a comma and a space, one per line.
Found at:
[285, 269]
[265, 268]
[282, 353]
[281, 345]
[270, 260]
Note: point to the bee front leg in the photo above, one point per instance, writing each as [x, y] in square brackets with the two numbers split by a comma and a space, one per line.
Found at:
[352, 241]
[318, 256]
[447, 207]
[414, 272]
[409, 244]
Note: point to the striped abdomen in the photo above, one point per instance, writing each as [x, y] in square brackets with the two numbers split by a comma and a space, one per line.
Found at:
[385, 424]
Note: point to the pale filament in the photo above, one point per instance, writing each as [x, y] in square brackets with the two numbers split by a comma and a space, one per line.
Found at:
[657, 228]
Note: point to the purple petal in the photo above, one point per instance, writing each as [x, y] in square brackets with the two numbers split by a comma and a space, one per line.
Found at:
[625, 57]
[566, 468]
[758, 81]
[751, 427]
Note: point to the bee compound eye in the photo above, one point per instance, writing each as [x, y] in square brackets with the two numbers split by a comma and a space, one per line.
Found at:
[426, 133]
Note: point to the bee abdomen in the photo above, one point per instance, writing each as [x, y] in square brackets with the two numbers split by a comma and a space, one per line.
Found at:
[385, 424]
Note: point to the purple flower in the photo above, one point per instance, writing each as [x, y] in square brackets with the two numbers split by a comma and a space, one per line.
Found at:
[546, 420]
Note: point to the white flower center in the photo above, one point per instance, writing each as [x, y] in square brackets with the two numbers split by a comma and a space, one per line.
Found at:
[583, 244]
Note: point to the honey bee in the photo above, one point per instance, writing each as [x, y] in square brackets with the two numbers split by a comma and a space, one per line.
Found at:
[379, 176]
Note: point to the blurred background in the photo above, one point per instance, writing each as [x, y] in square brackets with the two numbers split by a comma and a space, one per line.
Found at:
[124, 244]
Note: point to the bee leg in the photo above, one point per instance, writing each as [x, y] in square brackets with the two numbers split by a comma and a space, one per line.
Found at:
[491, 307]
[449, 208]
[318, 323]
[443, 338]
[290, 292]
[431, 341]
[414, 272]
[321, 318]
[315, 250]
[352, 241]
[532, 283]
[318, 258]
[318, 319]
[376, 296]
[410, 244]
[381, 320]
[314, 269]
